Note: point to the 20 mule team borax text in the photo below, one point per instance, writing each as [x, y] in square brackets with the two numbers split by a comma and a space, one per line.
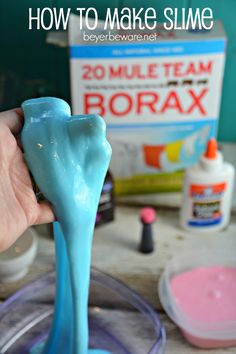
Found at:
[160, 100]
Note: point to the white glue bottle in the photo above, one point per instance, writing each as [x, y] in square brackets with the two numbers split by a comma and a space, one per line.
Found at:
[207, 193]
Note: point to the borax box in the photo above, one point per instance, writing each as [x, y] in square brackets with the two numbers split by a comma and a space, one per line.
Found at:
[159, 92]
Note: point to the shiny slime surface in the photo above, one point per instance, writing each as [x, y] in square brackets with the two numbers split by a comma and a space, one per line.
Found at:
[207, 294]
[68, 157]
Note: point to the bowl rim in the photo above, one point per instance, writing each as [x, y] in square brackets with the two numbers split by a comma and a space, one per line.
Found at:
[104, 279]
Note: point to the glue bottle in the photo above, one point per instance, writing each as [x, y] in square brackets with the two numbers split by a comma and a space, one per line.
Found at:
[207, 193]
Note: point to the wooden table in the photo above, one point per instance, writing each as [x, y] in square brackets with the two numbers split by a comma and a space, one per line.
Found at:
[115, 252]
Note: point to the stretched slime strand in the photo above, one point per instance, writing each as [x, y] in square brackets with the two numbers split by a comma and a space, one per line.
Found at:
[68, 157]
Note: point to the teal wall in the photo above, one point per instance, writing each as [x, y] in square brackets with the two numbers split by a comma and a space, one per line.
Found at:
[30, 68]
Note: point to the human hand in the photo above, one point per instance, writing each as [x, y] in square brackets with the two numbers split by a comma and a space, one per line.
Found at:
[19, 207]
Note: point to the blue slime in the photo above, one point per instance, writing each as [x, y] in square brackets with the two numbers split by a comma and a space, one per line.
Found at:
[68, 157]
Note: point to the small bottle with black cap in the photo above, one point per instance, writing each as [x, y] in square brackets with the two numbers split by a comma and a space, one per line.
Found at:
[147, 217]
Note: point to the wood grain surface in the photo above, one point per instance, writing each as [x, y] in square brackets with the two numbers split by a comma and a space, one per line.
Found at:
[115, 252]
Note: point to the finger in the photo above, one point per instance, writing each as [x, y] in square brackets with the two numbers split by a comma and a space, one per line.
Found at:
[46, 214]
[13, 119]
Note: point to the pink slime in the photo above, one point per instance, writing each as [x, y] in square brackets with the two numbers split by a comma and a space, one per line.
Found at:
[207, 295]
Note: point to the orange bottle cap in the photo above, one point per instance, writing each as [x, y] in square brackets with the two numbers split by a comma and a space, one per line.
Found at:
[212, 149]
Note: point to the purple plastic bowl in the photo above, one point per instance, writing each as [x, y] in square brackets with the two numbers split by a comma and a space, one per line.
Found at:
[26, 316]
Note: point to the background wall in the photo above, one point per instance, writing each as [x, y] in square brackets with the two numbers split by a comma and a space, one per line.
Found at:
[30, 68]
